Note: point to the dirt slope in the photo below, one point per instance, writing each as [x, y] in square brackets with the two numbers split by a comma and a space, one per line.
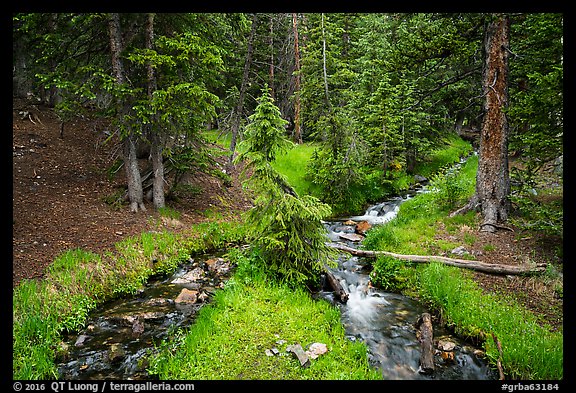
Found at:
[59, 187]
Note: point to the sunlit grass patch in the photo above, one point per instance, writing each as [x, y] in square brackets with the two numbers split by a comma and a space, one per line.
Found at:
[230, 337]
[293, 165]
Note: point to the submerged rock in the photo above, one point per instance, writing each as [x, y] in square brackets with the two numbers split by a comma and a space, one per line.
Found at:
[186, 296]
[191, 276]
[116, 353]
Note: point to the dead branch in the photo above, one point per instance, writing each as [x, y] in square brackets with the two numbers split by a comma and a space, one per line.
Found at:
[484, 267]
[499, 361]
[338, 289]
[426, 338]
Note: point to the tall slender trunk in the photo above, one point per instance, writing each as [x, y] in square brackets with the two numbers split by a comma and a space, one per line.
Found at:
[245, 75]
[324, 63]
[297, 129]
[156, 137]
[135, 194]
[384, 150]
[492, 178]
[271, 69]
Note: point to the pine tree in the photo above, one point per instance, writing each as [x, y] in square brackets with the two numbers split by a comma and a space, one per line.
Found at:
[286, 227]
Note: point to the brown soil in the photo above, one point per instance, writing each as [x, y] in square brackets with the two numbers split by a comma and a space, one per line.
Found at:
[60, 186]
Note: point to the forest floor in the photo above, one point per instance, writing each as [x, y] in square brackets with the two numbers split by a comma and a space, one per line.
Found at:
[60, 187]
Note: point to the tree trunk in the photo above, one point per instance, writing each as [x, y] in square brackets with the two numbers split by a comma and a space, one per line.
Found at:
[271, 68]
[297, 129]
[337, 288]
[133, 179]
[492, 178]
[51, 96]
[135, 192]
[324, 63]
[426, 338]
[245, 75]
[156, 138]
[484, 267]
[384, 150]
[22, 60]
[158, 197]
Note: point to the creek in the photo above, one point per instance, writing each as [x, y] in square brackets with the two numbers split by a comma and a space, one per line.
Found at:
[386, 321]
[121, 333]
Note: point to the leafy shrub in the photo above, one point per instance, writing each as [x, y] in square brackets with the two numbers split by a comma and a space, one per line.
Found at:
[450, 190]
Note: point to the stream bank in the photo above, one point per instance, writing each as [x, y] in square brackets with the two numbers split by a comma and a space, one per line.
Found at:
[386, 321]
[121, 334]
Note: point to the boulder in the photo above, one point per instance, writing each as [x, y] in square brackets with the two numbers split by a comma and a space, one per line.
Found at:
[186, 296]
[316, 349]
[362, 227]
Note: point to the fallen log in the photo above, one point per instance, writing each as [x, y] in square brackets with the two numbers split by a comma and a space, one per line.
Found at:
[338, 289]
[484, 267]
[426, 338]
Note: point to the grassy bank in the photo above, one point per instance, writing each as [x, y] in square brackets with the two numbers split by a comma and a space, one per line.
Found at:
[229, 336]
[78, 281]
[532, 351]
[253, 314]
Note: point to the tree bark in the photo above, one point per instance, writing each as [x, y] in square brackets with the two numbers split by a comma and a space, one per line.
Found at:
[134, 180]
[492, 178]
[324, 63]
[297, 129]
[426, 338]
[490, 268]
[245, 75]
[156, 138]
[271, 68]
[135, 193]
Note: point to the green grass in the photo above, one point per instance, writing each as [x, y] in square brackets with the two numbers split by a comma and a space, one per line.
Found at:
[530, 351]
[78, 281]
[253, 313]
[442, 157]
[293, 165]
[217, 137]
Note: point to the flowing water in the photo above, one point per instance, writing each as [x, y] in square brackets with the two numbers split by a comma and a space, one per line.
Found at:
[120, 334]
[386, 321]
